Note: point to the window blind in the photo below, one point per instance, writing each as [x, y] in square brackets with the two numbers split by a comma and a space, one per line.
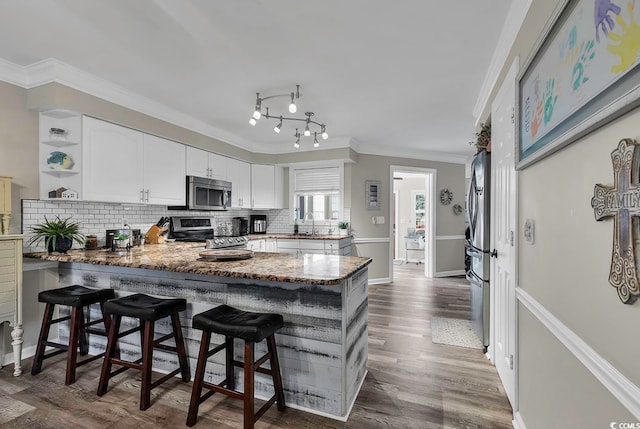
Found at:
[314, 180]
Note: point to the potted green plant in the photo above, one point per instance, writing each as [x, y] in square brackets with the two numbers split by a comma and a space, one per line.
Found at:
[121, 240]
[58, 234]
[343, 228]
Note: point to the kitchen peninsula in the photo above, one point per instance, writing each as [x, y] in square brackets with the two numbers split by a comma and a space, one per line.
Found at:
[323, 298]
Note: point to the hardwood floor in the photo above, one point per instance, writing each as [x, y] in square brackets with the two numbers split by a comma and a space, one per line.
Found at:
[412, 383]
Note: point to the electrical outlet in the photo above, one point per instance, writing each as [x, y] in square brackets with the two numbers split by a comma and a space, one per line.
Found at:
[380, 220]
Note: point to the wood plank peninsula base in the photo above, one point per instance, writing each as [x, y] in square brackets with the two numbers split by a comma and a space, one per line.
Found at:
[322, 347]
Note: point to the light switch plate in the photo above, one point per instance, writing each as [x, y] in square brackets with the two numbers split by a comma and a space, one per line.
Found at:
[380, 220]
[529, 231]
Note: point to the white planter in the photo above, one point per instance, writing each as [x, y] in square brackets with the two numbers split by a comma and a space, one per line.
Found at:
[343, 232]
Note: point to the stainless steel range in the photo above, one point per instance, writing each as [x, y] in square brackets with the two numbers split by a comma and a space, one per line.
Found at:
[187, 228]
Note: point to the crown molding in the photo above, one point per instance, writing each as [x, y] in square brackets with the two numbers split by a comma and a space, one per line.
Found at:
[51, 70]
[12, 73]
[396, 152]
[515, 17]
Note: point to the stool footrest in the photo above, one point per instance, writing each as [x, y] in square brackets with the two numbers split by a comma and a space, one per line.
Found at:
[95, 332]
[129, 332]
[162, 339]
[91, 359]
[260, 361]
[220, 389]
[164, 378]
[61, 319]
[56, 353]
[215, 350]
[165, 347]
[124, 367]
[91, 323]
[264, 408]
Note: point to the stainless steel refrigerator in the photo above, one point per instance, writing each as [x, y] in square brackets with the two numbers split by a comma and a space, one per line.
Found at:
[478, 209]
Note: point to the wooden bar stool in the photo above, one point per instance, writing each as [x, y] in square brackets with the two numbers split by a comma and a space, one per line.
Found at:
[252, 328]
[147, 309]
[77, 297]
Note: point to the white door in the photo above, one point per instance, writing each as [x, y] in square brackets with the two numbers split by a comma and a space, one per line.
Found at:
[164, 171]
[503, 234]
[111, 162]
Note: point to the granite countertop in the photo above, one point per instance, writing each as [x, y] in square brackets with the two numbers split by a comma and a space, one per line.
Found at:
[183, 258]
[299, 236]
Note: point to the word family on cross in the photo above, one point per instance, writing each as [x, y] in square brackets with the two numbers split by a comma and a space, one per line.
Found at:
[622, 202]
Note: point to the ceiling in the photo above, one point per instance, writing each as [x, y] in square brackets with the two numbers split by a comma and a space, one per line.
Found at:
[391, 77]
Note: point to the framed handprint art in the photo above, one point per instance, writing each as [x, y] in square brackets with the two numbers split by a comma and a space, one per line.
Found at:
[583, 73]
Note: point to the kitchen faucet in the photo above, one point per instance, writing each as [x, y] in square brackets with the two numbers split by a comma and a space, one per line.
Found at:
[309, 215]
[129, 237]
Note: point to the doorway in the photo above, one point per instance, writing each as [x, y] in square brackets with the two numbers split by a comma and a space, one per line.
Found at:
[412, 231]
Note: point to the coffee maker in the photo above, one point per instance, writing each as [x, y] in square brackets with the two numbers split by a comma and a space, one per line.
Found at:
[240, 226]
[258, 224]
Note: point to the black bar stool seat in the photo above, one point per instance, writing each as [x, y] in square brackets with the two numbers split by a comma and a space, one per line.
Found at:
[252, 328]
[77, 297]
[231, 322]
[147, 309]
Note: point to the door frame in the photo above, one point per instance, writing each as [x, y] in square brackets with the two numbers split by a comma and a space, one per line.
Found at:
[430, 224]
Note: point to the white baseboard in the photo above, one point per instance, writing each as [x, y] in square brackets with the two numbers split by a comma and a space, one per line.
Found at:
[27, 352]
[517, 422]
[449, 273]
[379, 281]
[620, 386]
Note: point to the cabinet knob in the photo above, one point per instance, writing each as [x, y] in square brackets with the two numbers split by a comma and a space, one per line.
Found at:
[146, 198]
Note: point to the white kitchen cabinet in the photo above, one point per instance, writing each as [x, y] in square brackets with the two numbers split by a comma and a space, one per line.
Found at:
[267, 183]
[112, 159]
[164, 171]
[11, 293]
[314, 246]
[60, 154]
[256, 245]
[239, 174]
[128, 166]
[202, 163]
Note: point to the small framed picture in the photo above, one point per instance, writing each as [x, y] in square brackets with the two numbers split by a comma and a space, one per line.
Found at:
[372, 194]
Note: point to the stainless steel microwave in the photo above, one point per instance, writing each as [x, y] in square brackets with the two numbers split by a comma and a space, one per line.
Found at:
[206, 194]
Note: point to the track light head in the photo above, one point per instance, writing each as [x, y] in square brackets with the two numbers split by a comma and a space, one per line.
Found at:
[315, 140]
[324, 134]
[292, 107]
[278, 127]
[252, 121]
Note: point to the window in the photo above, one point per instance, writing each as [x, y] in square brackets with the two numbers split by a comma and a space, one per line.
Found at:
[317, 192]
[419, 205]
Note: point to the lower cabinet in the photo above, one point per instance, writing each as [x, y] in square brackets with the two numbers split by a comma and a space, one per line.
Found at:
[296, 246]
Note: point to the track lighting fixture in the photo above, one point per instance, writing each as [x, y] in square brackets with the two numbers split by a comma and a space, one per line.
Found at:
[278, 127]
[257, 114]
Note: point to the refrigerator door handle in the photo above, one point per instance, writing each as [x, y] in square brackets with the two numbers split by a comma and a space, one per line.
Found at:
[473, 276]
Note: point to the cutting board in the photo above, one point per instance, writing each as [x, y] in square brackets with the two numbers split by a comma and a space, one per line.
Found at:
[225, 254]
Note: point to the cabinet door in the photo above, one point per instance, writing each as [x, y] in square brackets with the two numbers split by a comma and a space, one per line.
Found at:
[197, 162]
[262, 186]
[218, 166]
[239, 174]
[164, 171]
[111, 162]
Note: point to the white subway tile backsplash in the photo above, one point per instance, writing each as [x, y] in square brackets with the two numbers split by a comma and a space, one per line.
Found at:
[96, 218]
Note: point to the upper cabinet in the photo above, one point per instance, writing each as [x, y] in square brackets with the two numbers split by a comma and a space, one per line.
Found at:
[60, 154]
[164, 171]
[206, 164]
[266, 186]
[128, 166]
[239, 174]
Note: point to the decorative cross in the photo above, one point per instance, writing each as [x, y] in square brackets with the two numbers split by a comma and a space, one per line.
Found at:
[622, 201]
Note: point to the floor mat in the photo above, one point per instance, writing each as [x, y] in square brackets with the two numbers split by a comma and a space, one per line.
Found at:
[454, 332]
